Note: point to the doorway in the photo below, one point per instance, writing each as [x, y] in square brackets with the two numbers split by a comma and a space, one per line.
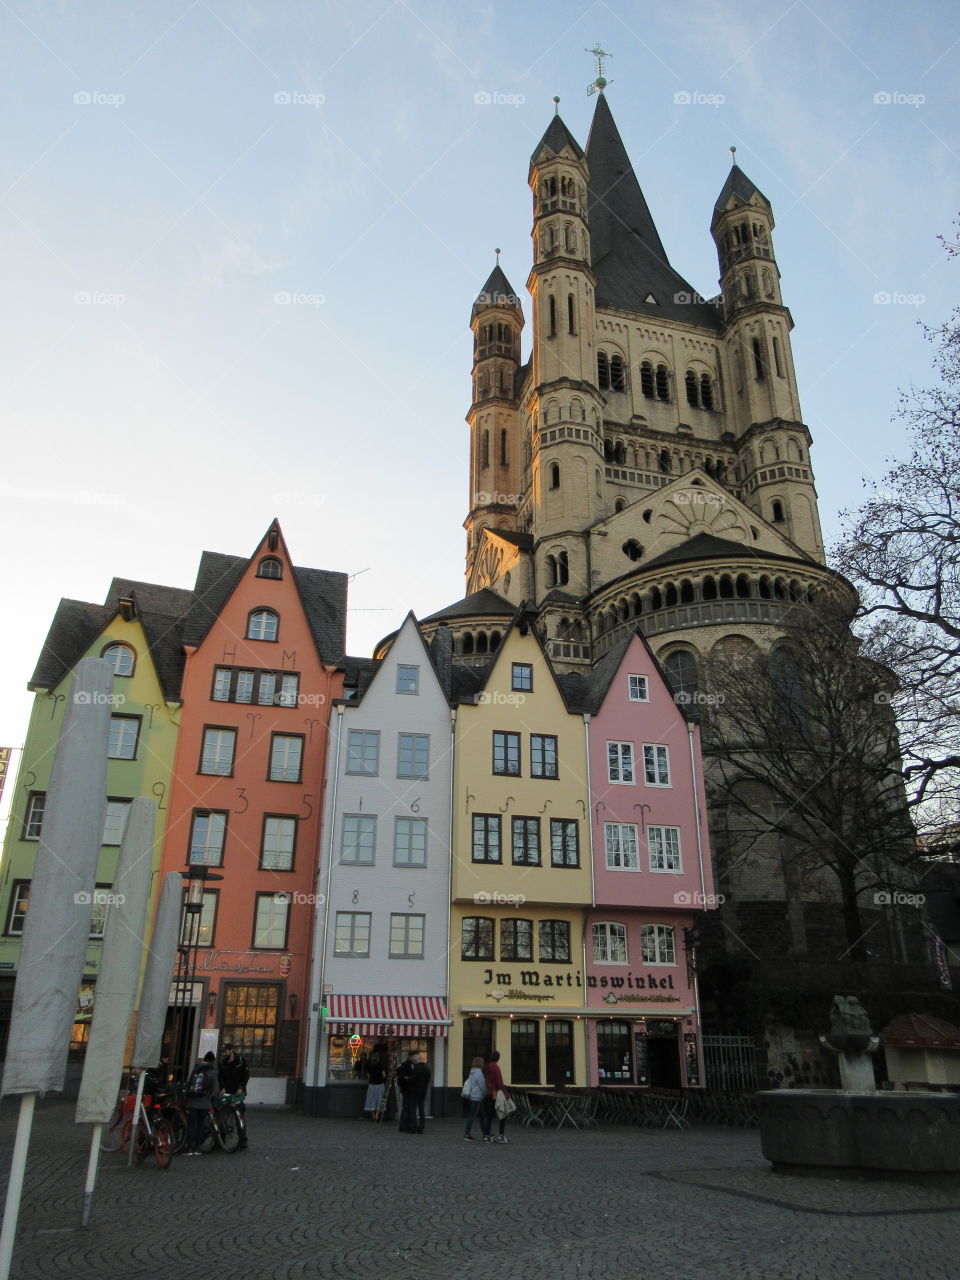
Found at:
[477, 1041]
[663, 1055]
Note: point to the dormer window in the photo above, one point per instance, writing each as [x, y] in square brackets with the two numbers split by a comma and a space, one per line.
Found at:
[263, 624]
[269, 567]
[121, 657]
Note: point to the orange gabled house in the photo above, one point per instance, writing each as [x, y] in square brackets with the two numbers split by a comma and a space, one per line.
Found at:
[263, 640]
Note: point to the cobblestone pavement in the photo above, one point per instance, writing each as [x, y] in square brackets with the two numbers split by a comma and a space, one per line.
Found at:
[334, 1198]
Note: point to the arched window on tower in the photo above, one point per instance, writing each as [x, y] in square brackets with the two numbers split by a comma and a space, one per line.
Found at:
[646, 379]
[663, 383]
[503, 448]
[709, 588]
[482, 642]
[555, 475]
[603, 371]
[569, 238]
[466, 647]
[485, 449]
[665, 464]
[682, 676]
[563, 569]
[617, 380]
[551, 565]
[758, 368]
[571, 314]
[706, 391]
[553, 316]
[620, 453]
[777, 359]
[608, 450]
[690, 382]
[776, 511]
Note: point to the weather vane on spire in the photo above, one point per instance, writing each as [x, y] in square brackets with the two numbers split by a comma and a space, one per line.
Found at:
[600, 83]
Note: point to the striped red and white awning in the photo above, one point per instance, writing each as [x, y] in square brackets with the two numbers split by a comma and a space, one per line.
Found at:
[376, 1015]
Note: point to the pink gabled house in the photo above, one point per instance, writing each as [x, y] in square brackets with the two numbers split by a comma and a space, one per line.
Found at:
[652, 875]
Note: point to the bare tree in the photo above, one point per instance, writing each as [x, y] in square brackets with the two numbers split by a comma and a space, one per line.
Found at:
[809, 721]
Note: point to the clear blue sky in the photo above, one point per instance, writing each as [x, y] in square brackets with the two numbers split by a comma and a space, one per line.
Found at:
[156, 196]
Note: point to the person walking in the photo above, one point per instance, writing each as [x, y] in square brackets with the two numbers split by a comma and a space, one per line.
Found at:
[376, 1075]
[477, 1099]
[494, 1081]
[201, 1087]
[413, 1077]
[234, 1074]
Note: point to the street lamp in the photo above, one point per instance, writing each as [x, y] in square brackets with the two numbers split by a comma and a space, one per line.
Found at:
[197, 878]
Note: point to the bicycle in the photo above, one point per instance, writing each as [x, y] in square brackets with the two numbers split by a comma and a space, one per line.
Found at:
[111, 1135]
[156, 1137]
[223, 1125]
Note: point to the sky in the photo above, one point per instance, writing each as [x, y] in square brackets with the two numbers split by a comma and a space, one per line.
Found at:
[240, 243]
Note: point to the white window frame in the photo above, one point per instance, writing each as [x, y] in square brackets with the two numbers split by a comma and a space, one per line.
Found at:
[604, 929]
[345, 928]
[402, 933]
[620, 827]
[367, 749]
[36, 803]
[656, 761]
[403, 668]
[114, 653]
[276, 907]
[262, 615]
[363, 825]
[281, 836]
[418, 740]
[207, 756]
[208, 847]
[281, 770]
[115, 822]
[661, 934]
[670, 857]
[625, 756]
[638, 688]
[124, 724]
[19, 893]
[413, 825]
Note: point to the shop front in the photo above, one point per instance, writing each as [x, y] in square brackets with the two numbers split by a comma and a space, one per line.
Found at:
[357, 1026]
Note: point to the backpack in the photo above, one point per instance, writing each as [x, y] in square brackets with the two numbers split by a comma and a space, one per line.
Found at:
[197, 1088]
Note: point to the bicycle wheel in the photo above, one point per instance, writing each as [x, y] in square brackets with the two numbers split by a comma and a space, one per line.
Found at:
[228, 1133]
[111, 1135]
[177, 1123]
[162, 1144]
[210, 1138]
[141, 1140]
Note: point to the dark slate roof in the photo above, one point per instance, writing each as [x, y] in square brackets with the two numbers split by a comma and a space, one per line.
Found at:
[497, 292]
[358, 674]
[627, 253]
[162, 611]
[704, 546]
[556, 596]
[556, 138]
[737, 184]
[216, 578]
[467, 681]
[479, 604]
[520, 377]
[75, 626]
[522, 540]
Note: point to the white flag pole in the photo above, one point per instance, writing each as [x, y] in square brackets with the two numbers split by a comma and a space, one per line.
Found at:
[93, 1164]
[15, 1186]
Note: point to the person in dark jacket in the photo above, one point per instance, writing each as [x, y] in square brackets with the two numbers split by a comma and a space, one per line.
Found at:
[494, 1078]
[413, 1077]
[198, 1106]
[234, 1074]
[376, 1076]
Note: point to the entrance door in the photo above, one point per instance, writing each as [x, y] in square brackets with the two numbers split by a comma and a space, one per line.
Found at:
[477, 1041]
[663, 1055]
[559, 1037]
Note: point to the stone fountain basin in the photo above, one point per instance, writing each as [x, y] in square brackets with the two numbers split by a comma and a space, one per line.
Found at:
[810, 1130]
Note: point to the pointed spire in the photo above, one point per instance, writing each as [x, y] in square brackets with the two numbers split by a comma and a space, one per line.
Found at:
[497, 292]
[737, 184]
[617, 205]
[556, 138]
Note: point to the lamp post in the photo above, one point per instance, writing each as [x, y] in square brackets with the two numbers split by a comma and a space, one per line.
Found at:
[197, 878]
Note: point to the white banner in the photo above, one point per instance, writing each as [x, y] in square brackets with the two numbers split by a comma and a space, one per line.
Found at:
[156, 980]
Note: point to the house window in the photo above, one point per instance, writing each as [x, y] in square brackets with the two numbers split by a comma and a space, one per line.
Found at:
[564, 843]
[558, 1034]
[124, 731]
[555, 941]
[114, 821]
[646, 379]
[663, 382]
[121, 657]
[620, 842]
[358, 840]
[271, 918]
[363, 752]
[639, 690]
[681, 672]
[526, 842]
[408, 679]
[543, 755]
[102, 896]
[264, 688]
[620, 762]
[19, 900]
[270, 567]
[656, 766]
[409, 842]
[262, 624]
[614, 1059]
[351, 935]
[33, 821]
[486, 837]
[216, 755]
[476, 938]
[413, 755]
[516, 939]
[286, 757]
[208, 832]
[506, 754]
[251, 1015]
[664, 846]
[198, 927]
[521, 679]
[609, 943]
[524, 1051]
[278, 842]
[656, 942]
[406, 937]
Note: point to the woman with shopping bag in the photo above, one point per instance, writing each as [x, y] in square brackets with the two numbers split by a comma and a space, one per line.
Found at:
[498, 1096]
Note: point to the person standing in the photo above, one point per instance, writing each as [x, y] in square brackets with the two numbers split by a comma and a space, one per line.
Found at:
[201, 1087]
[234, 1074]
[376, 1075]
[413, 1077]
[477, 1099]
[494, 1081]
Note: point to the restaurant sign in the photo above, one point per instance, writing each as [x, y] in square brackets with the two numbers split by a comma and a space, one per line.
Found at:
[405, 1030]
